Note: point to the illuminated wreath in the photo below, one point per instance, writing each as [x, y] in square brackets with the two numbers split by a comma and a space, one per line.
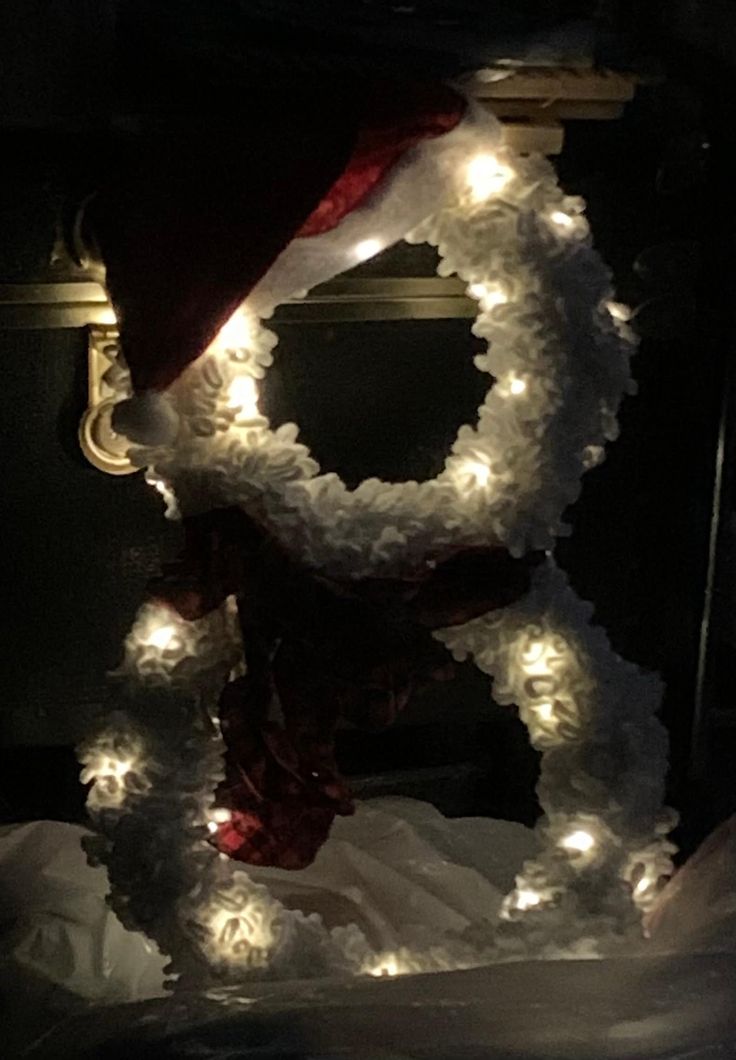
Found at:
[558, 357]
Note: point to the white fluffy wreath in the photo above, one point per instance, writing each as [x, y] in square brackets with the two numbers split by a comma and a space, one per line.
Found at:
[558, 354]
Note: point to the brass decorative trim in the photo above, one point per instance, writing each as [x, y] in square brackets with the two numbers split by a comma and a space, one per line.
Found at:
[380, 298]
[47, 306]
[342, 300]
[104, 449]
[73, 305]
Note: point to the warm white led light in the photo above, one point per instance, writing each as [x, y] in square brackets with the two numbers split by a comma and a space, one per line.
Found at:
[558, 217]
[489, 295]
[242, 394]
[234, 932]
[237, 332]
[161, 637]
[388, 966]
[163, 488]
[542, 657]
[545, 711]
[116, 767]
[220, 815]
[486, 176]
[517, 386]
[619, 311]
[107, 772]
[534, 653]
[580, 841]
[479, 471]
[367, 248]
[527, 899]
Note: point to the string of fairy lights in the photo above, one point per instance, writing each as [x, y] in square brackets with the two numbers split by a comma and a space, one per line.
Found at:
[558, 348]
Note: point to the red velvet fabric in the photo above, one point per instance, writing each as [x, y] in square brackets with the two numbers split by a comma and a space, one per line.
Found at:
[396, 124]
[324, 650]
[194, 217]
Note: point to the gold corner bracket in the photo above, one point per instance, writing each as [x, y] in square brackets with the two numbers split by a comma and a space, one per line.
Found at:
[105, 450]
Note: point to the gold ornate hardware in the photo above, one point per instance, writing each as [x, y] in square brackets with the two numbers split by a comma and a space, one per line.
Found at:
[103, 448]
[343, 299]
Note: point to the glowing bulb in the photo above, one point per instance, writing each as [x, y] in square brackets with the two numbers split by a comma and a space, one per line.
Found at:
[161, 637]
[579, 841]
[643, 885]
[486, 176]
[220, 815]
[562, 219]
[479, 470]
[163, 488]
[517, 386]
[619, 311]
[489, 296]
[243, 394]
[545, 711]
[107, 774]
[527, 899]
[388, 966]
[116, 767]
[211, 827]
[541, 657]
[367, 248]
[534, 653]
[235, 932]
[237, 332]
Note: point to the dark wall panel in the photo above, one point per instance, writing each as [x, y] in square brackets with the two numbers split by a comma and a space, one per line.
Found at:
[77, 546]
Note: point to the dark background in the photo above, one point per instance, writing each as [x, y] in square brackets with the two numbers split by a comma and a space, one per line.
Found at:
[78, 546]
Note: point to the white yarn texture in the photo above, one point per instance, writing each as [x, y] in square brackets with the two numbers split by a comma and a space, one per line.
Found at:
[557, 357]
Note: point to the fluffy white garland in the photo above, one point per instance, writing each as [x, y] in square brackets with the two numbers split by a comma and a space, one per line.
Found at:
[560, 359]
[558, 349]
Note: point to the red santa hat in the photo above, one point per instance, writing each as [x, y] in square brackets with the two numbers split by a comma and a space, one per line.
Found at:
[204, 219]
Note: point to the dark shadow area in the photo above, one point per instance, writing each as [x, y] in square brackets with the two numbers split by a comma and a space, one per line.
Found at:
[376, 399]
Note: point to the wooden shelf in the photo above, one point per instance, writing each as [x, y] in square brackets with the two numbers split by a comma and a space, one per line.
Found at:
[529, 139]
[533, 104]
[554, 84]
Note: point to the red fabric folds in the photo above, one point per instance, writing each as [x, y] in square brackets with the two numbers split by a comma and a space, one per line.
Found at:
[322, 650]
[395, 125]
[193, 217]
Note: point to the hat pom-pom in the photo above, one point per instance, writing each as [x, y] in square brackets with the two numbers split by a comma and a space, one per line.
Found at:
[147, 419]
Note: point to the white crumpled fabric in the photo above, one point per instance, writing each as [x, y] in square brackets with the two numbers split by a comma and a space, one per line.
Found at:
[397, 867]
[55, 923]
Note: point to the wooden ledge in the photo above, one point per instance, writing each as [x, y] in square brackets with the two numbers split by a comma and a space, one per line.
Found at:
[534, 103]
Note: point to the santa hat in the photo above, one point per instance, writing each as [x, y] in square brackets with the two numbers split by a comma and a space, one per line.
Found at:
[202, 219]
